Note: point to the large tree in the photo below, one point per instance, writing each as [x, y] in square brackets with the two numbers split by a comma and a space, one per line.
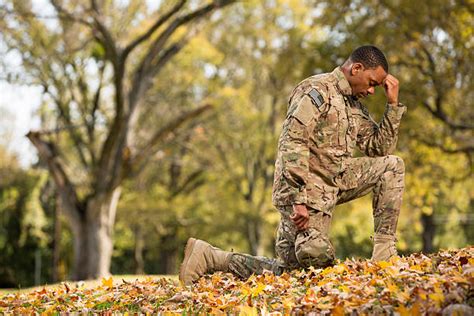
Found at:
[97, 61]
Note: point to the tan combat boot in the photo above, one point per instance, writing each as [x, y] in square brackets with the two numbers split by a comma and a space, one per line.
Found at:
[384, 247]
[200, 258]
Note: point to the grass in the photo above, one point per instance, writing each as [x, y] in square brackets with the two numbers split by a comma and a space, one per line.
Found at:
[89, 283]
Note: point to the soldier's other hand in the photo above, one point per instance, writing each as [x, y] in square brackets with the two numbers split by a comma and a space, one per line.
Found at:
[300, 216]
[391, 87]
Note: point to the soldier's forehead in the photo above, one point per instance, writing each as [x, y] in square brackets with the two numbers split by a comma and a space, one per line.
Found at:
[378, 75]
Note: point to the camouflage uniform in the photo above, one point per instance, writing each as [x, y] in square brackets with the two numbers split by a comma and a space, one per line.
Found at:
[315, 167]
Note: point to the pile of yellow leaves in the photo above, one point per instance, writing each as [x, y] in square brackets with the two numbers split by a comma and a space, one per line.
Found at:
[441, 283]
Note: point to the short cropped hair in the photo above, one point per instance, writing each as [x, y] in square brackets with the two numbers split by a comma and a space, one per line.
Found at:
[369, 56]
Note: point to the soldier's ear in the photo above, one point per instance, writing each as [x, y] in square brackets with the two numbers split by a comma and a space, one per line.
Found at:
[356, 68]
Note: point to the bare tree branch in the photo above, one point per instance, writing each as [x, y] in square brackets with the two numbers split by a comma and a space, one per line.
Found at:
[236, 179]
[438, 110]
[161, 134]
[441, 115]
[59, 129]
[129, 48]
[50, 155]
[64, 115]
[103, 35]
[142, 85]
[168, 54]
[75, 136]
[459, 150]
[108, 169]
[64, 15]
[143, 71]
[191, 183]
[95, 107]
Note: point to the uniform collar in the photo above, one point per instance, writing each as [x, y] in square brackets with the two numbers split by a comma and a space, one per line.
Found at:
[341, 82]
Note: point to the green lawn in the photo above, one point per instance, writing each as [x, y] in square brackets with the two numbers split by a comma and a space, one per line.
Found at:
[90, 283]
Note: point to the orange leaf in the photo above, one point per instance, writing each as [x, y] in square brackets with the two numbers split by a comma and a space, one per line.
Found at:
[338, 311]
[108, 282]
[384, 264]
[248, 311]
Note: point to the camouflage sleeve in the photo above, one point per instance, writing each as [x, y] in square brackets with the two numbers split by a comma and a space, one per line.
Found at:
[294, 147]
[380, 139]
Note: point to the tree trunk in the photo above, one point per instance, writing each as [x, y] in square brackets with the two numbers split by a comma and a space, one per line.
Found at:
[138, 251]
[56, 240]
[467, 223]
[93, 240]
[171, 261]
[428, 234]
[169, 252]
[254, 227]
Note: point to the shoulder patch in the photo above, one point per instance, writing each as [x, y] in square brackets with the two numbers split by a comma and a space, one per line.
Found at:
[317, 98]
[304, 111]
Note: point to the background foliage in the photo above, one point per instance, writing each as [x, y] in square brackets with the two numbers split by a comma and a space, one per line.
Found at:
[213, 181]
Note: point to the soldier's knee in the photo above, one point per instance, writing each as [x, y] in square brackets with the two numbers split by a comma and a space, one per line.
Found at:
[396, 163]
[314, 248]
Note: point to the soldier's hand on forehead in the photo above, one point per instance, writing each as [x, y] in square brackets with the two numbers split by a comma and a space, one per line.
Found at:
[391, 87]
[300, 216]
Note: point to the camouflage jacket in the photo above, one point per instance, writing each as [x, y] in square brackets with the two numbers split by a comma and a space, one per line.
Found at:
[324, 123]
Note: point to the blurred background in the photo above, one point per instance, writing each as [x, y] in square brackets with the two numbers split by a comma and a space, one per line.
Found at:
[155, 121]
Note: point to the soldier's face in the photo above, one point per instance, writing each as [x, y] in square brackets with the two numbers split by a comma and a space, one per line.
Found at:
[364, 80]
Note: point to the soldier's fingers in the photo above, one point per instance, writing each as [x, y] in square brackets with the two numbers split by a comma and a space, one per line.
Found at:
[388, 77]
[299, 220]
[295, 216]
[391, 77]
[388, 82]
[294, 219]
[304, 214]
[388, 86]
[304, 220]
[299, 215]
[302, 226]
[298, 225]
[306, 226]
[391, 82]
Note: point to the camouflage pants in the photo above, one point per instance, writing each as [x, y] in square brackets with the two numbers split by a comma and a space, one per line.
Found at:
[384, 176]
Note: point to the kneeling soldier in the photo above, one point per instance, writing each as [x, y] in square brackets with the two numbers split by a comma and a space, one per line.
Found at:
[315, 170]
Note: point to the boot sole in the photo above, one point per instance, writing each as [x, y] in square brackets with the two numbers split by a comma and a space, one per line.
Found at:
[188, 250]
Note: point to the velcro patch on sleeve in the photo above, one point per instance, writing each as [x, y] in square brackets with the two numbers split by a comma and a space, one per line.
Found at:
[316, 97]
[304, 111]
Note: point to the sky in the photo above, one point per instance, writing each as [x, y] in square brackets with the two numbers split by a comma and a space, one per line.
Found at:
[19, 104]
[17, 116]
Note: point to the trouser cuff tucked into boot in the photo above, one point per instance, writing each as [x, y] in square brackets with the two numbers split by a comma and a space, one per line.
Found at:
[221, 260]
[384, 247]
